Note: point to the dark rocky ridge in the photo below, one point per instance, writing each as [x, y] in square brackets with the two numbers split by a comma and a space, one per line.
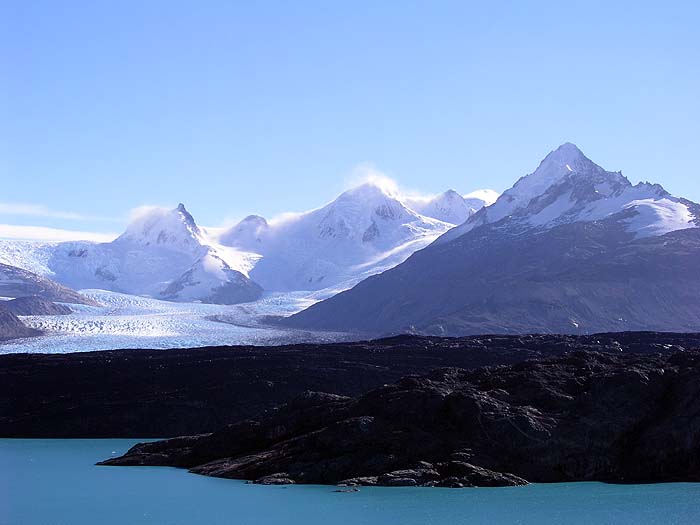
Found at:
[16, 282]
[137, 393]
[33, 305]
[11, 327]
[582, 416]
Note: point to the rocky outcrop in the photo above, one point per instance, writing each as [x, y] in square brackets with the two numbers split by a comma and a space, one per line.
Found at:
[582, 416]
[191, 391]
[33, 305]
[11, 327]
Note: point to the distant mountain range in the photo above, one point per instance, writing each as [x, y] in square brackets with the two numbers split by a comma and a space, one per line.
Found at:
[364, 231]
[164, 253]
[570, 248]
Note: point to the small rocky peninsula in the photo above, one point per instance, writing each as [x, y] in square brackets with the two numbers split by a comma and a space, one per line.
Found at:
[580, 416]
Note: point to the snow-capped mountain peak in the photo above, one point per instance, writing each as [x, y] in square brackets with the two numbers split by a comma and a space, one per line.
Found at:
[568, 187]
[162, 254]
[566, 154]
[187, 218]
[360, 212]
[450, 206]
[370, 189]
[173, 229]
[559, 164]
[485, 197]
[364, 230]
[569, 248]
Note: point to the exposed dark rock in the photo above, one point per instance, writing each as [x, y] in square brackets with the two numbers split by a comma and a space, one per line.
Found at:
[279, 478]
[33, 305]
[136, 393]
[16, 282]
[11, 327]
[581, 416]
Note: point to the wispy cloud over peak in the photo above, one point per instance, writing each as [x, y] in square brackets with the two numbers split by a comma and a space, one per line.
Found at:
[138, 213]
[368, 173]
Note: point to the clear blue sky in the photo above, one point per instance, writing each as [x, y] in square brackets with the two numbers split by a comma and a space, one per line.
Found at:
[266, 107]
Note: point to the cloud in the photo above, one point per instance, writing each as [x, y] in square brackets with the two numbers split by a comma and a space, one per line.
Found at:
[287, 216]
[39, 210]
[363, 173]
[368, 173]
[417, 202]
[41, 233]
[140, 212]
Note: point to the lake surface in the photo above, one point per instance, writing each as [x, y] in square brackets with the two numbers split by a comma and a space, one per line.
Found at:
[56, 482]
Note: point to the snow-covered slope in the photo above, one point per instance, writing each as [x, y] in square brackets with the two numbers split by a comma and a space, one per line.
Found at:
[365, 230]
[212, 280]
[172, 230]
[247, 235]
[32, 256]
[567, 187]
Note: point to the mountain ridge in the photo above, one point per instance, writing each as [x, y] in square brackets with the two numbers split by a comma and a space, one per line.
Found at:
[165, 254]
[607, 416]
[609, 261]
[327, 246]
[569, 187]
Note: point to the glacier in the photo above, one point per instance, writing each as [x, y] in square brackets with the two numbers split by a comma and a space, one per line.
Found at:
[166, 282]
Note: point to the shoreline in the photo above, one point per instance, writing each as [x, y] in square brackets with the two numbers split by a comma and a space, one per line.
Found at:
[578, 416]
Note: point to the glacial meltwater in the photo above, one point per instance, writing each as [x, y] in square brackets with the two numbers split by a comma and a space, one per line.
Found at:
[56, 482]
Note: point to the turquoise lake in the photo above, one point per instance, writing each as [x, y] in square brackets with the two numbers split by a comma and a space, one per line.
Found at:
[56, 482]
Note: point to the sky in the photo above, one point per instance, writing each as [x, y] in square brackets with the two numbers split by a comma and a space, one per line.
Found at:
[236, 108]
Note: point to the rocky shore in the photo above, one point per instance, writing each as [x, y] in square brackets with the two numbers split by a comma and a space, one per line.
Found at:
[580, 416]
